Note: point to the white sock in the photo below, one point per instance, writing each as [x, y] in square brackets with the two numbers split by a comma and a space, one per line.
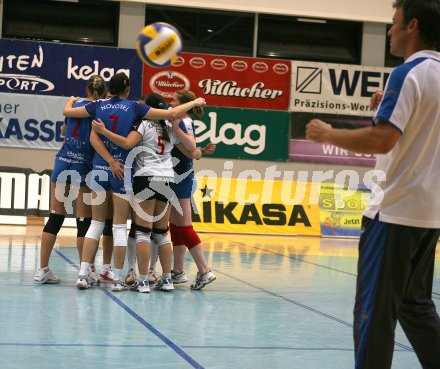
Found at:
[84, 270]
[166, 275]
[143, 277]
[117, 273]
[131, 253]
[106, 267]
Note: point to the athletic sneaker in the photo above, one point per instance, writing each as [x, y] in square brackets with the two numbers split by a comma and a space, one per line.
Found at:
[82, 282]
[164, 284]
[202, 279]
[131, 277]
[143, 286]
[45, 275]
[93, 278]
[179, 277]
[118, 286]
[107, 275]
[152, 277]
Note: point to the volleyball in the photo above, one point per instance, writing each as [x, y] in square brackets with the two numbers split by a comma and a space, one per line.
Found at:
[159, 45]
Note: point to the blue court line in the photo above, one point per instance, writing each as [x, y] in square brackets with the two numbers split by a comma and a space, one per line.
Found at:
[437, 295]
[189, 346]
[141, 320]
[299, 304]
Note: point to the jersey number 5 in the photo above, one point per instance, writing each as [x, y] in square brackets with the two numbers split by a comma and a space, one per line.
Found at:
[161, 145]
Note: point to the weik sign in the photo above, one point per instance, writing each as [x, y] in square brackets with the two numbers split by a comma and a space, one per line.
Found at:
[224, 80]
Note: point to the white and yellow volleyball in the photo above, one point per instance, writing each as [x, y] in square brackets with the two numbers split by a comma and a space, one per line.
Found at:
[159, 45]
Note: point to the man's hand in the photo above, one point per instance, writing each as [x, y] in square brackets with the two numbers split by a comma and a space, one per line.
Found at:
[117, 169]
[318, 131]
[98, 125]
[375, 99]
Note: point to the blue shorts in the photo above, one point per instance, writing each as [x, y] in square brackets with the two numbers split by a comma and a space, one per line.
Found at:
[67, 171]
[186, 188]
[102, 180]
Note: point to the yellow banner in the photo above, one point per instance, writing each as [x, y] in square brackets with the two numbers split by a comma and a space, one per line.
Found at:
[243, 205]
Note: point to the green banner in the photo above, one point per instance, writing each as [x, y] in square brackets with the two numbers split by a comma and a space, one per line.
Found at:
[245, 133]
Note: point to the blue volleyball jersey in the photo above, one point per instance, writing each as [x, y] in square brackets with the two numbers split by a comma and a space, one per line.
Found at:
[118, 115]
[76, 146]
[185, 164]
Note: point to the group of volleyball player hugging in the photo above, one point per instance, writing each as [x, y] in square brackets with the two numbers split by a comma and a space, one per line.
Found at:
[128, 157]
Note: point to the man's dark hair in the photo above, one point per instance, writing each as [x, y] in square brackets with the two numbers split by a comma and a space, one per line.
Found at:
[427, 12]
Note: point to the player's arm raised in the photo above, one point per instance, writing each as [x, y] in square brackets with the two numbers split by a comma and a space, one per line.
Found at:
[78, 112]
[176, 112]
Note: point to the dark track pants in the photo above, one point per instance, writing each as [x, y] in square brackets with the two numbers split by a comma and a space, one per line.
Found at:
[395, 274]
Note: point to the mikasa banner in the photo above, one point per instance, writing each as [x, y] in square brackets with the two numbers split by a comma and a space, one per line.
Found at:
[31, 121]
[335, 88]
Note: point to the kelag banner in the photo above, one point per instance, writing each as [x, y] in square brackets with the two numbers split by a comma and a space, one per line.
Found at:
[341, 210]
[244, 205]
[303, 150]
[224, 80]
[245, 133]
[59, 69]
[335, 88]
[31, 121]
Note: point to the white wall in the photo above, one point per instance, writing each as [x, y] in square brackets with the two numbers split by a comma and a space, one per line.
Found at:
[360, 10]
[131, 21]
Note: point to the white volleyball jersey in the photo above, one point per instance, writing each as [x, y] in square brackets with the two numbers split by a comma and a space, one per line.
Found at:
[153, 151]
[411, 102]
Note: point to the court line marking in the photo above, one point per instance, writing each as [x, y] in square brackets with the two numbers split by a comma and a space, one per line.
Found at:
[312, 263]
[313, 310]
[141, 320]
[186, 346]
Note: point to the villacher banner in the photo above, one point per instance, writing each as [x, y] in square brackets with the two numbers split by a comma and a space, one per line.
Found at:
[224, 80]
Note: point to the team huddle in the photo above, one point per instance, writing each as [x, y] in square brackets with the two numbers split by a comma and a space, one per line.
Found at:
[130, 158]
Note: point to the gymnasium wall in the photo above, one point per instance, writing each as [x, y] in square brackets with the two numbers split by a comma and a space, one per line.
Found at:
[359, 10]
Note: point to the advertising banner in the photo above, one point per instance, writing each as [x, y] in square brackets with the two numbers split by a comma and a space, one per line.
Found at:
[229, 81]
[24, 192]
[341, 210]
[243, 205]
[245, 133]
[335, 88]
[302, 150]
[31, 121]
[62, 70]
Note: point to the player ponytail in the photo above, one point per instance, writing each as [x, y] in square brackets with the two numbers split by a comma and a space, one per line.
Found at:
[95, 88]
[156, 101]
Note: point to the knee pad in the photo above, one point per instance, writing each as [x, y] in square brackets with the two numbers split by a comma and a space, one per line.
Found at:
[95, 230]
[108, 231]
[82, 226]
[132, 233]
[54, 223]
[143, 234]
[160, 237]
[120, 235]
[190, 236]
[176, 236]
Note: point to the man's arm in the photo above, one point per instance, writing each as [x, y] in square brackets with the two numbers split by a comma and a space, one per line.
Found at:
[379, 139]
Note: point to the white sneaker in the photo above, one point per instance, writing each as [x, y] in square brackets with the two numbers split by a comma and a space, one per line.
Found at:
[179, 277]
[143, 286]
[82, 282]
[118, 286]
[106, 275]
[131, 277]
[93, 278]
[202, 279]
[45, 275]
[164, 284]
